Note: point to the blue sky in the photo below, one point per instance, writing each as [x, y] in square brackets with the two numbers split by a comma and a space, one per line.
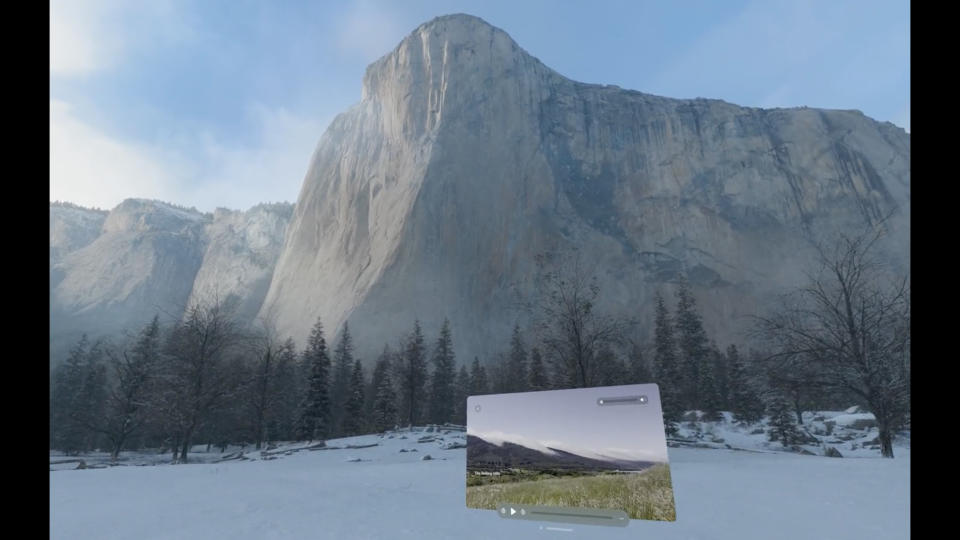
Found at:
[221, 103]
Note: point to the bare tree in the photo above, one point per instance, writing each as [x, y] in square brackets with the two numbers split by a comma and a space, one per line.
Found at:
[127, 399]
[570, 328]
[265, 349]
[200, 375]
[852, 324]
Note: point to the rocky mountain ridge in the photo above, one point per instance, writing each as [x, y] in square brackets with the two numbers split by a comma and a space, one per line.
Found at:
[464, 159]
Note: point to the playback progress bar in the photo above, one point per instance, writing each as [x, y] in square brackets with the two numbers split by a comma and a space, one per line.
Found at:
[585, 516]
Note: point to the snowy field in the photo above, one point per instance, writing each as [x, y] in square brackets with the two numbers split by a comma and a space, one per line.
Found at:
[383, 492]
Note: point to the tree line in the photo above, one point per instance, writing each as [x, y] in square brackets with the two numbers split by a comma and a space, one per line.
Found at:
[207, 380]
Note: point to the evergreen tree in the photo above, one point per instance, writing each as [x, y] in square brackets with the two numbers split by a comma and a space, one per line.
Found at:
[93, 397]
[315, 411]
[412, 376]
[443, 378]
[639, 370]
[782, 426]
[384, 411]
[478, 379]
[282, 421]
[386, 357]
[721, 373]
[517, 367]
[746, 404]
[353, 421]
[667, 373]
[709, 389]
[340, 382]
[693, 345]
[538, 373]
[500, 375]
[462, 391]
[68, 379]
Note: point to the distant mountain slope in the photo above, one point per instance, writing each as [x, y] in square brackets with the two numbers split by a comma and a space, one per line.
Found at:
[149, 257]
[482, 454]
[465, 158]
[71, 228]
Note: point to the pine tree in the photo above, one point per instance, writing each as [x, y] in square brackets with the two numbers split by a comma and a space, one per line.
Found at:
[782, 426]
[93, 397]
[443, 378]
[668, 376]
[517, 367]
[412, 375]
[722, 376]
[68, 379]
[285, 388]
[462, 391]
[639, 370]
[709, 388]
[538, 373]
[370, 393]
[340, 382]
[315, 412]
[353, 421]
[478, 379]
[500, 375]
[693, 345]
[384, 410]
[746, 404]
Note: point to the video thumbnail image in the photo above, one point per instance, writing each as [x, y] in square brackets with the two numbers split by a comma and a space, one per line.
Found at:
[601, 448]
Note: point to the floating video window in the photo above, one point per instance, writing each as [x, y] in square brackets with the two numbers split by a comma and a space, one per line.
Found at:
[570, 455]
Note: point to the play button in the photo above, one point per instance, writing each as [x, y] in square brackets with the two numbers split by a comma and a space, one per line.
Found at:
[512, 511]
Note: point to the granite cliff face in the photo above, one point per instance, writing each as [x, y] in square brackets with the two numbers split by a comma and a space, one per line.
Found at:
[71, 228]
[467, 156]
[148, 257]
[241, 251]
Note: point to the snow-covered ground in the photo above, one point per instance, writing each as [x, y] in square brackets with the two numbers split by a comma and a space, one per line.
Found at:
[852, 432]
[384, 492]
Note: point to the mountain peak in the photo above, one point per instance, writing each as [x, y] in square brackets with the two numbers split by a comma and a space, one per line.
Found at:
[462, 19]
[447, 49]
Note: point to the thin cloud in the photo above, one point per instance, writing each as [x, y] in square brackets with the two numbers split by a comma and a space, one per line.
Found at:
[781, 97]
[499, 438]
[87, 36]
[90, 168]
[767, 38]
[76, 37]
[272, 170]
[370, 30]
[549, 446]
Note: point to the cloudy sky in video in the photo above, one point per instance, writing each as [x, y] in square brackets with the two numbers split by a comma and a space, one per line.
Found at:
[571, 420]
